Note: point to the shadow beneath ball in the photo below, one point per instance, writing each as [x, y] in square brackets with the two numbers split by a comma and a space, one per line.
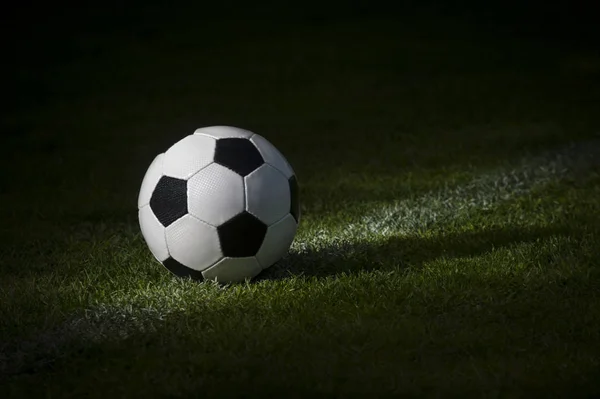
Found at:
[400, 253]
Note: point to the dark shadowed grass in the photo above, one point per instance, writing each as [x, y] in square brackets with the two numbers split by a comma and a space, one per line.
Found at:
[448, 245]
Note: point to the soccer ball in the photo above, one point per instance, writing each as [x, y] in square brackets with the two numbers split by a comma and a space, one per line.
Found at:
[220, 204]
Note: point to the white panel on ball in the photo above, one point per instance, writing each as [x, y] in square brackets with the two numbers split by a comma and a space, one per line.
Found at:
[188, 156]
[153, 233]
[272, 156]
[224, 132]
[215, 194]
[277, 241]
[152, 176]
[267, 194]
[193, 243]
[233, 270]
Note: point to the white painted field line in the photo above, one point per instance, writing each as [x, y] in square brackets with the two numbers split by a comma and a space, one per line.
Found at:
[404, 217]
[91, 325]
[410, 216]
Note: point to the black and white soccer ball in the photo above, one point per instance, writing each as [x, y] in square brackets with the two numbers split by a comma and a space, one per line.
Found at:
[220, 204]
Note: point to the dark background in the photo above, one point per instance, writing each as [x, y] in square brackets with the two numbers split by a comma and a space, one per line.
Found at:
[35, 34]
[39, 37]
[573, 20]
[28, 23]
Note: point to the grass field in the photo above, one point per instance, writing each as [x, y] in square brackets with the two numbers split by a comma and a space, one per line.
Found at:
[449, 243]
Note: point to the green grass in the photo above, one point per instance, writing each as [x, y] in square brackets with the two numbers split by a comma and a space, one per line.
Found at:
[449, 240]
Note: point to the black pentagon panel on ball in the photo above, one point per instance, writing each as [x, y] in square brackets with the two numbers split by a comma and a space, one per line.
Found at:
[169, 200]
[241, 235]
[294, 197]
[182, 271]
[238, 154]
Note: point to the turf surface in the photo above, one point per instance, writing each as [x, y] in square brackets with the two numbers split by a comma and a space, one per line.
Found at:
[449, 241]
